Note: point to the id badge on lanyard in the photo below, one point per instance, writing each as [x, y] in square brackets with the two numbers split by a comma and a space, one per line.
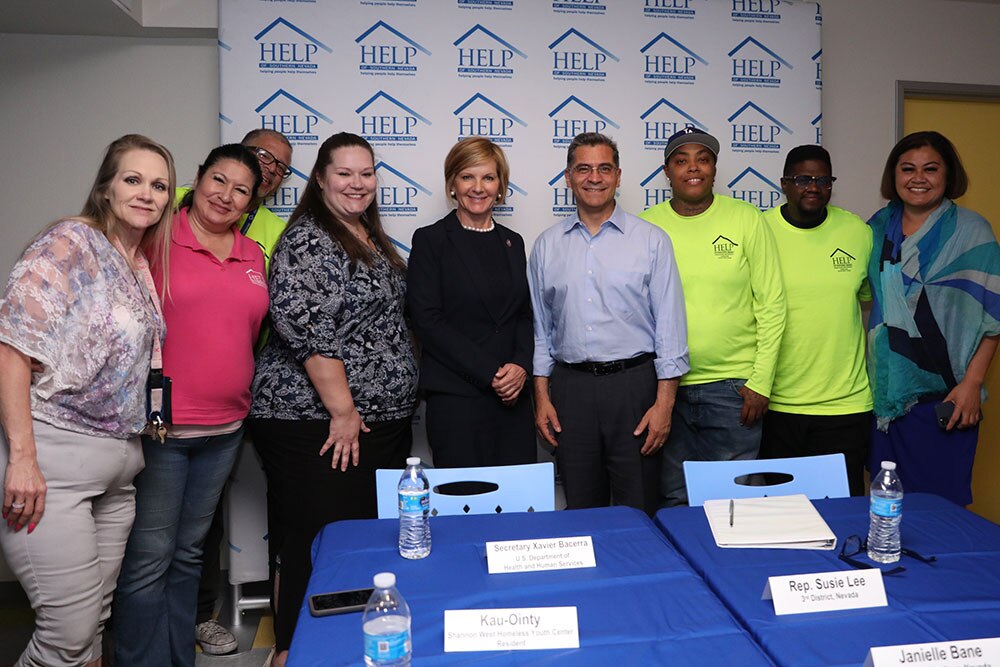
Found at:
[158, 404]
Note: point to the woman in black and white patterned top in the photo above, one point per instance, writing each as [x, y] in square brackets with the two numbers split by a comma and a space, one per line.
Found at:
[335, 388]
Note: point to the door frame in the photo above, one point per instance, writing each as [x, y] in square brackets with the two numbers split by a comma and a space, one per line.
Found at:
[940, 90]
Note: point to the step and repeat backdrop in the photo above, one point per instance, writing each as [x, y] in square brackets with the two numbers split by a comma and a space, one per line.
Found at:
[415, 76]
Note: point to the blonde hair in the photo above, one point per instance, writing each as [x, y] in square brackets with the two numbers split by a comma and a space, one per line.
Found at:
[473, 151]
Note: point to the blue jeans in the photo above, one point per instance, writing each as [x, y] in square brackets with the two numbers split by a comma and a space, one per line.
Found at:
[176, 496]
[706, 427]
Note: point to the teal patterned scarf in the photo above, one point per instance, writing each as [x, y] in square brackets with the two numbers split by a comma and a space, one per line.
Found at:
[935, 294]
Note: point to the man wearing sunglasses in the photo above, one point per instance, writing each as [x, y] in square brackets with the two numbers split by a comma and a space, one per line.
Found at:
[820, 401]
[260, 224]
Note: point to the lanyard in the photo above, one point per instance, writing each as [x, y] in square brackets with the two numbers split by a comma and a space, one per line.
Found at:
[156, 359]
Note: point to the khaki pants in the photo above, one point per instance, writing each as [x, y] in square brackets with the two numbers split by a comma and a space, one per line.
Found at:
[69, 564]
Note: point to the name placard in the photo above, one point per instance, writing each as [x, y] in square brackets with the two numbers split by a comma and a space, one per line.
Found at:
[826, 591]
[965, 653]
[510, 629]
[558, 553]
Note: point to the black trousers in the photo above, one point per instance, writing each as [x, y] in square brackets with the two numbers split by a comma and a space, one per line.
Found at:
[474, 431]
[786, 435]
[304, 494]
[598, 456]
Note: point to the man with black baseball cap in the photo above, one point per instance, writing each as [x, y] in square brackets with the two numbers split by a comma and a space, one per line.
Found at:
[735, 309]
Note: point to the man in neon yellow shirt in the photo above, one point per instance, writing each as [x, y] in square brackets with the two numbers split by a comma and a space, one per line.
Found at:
[820, 400]
[260, 224]
[735, 312]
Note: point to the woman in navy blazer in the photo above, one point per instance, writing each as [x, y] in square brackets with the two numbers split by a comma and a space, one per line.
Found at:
[467, 297]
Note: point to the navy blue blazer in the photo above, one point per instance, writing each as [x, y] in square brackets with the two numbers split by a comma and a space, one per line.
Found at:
[465, 336]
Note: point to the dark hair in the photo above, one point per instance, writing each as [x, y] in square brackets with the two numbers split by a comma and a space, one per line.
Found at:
[311, 202]
[801, 154]
[237, 152]
[471, 152]
[591, 139]
[956, 178]
[250, 137]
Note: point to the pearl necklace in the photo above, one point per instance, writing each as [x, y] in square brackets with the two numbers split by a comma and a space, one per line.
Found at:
[477, 229]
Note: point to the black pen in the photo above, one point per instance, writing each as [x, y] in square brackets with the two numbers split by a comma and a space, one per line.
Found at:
[731, 508]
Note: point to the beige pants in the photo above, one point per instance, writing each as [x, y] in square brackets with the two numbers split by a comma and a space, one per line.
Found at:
[69, 564]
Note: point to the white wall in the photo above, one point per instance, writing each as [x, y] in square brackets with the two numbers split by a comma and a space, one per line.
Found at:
[64, 99]
[870, 44]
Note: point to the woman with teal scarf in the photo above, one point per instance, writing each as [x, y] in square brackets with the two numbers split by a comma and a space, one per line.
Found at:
[935, 321]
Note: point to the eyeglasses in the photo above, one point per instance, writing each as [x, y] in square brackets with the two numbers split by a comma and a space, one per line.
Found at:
[587, 169]
[803, 182]
[266, 158]
[854, 545]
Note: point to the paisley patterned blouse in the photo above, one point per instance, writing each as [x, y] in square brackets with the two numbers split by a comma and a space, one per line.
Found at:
[321, 304]
[73, 303]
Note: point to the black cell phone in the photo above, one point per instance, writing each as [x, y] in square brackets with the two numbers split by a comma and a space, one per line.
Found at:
[340, 602]
[943, 412]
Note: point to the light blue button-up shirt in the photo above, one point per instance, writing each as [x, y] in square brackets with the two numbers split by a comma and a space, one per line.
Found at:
[614, 295]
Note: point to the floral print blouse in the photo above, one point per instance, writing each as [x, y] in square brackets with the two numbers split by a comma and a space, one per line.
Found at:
[73, 303]
[321, 304]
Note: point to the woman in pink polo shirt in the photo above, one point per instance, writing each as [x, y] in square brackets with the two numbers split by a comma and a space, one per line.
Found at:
[214, 297]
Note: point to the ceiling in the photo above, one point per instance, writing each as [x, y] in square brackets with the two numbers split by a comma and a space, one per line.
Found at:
[84, 17]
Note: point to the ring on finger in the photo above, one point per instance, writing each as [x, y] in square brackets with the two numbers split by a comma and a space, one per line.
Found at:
[17, 506]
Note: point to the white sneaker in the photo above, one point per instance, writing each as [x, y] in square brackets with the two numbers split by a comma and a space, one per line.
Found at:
[214, 639]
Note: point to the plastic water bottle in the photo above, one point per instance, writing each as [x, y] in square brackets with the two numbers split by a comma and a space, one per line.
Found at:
[386, 625]
[885, 515]
[414, 511]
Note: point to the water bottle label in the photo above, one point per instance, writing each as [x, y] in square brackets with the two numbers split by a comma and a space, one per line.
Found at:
[387, 647]
[415, 502]
[887, 507]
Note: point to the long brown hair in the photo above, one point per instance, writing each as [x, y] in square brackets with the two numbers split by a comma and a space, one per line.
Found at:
[311, 202]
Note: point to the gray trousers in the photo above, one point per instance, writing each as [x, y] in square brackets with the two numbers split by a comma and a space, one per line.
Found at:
[69, 564]
[599, 459]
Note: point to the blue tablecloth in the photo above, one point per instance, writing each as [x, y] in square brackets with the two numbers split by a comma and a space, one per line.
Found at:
[641, 605]
[958, 597]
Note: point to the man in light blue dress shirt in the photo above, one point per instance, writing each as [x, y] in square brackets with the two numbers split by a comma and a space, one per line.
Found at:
[610, 338]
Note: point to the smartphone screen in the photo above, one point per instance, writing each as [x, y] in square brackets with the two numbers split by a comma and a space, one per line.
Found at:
[341, 602]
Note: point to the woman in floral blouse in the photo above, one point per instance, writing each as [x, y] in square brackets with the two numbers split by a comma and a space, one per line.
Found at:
[335, 388]
[77, 326]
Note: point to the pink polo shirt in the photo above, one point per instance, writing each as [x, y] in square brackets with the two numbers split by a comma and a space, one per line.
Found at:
[213, 314]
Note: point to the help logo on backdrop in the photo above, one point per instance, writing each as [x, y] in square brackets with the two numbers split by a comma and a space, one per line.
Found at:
[669, 61]
[483, 54]
[301, 122]
[574, 116]
[576, 57]
[662, 120]
[284, 48]
[385, 51]
[754, 188]
[481, 116]
[386, 121]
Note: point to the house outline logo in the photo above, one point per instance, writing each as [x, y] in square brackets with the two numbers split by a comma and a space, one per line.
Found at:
[288, 57]
[761, 198]
[818, 59]
[297, 128]
[286, 197]
[756, 11]
[579, 64]
[656, 195]
[756, 137]
[497, 61]
[658, 132]
[563, 130]
[495, 128]
[724, 247]
[397, 201]
[843, 261]
[670, 68]
[756, 72]
[388, 59]
[563, 200]
[395, 129]
[506, 209]
[675, 9]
